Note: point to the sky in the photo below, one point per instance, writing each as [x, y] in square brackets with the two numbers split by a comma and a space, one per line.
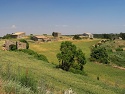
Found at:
[64, 16]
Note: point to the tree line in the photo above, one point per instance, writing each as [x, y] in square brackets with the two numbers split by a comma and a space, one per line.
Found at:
[110, 36]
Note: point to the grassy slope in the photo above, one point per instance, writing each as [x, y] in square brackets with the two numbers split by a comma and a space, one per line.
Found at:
[50, 49]
[111, 79]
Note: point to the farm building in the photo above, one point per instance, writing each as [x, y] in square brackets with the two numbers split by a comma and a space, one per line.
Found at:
[19, 45]
[41, 38]
[89, 35]
[18, 35]
[56, 34]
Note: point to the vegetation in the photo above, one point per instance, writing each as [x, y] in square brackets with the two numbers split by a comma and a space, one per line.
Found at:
[101, 78]
[13, 47]
[110, 36]
[76, 37]
[70, 57]
[7, 36]
[13, 87]
[35, 54]
[99, 54]
[122, 35]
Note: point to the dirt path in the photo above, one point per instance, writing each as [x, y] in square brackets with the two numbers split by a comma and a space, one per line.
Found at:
[122, 68]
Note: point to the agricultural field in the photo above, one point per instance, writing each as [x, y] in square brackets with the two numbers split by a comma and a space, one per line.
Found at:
[110, 80]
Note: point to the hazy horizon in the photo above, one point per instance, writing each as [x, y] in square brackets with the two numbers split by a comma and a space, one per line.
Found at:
[65, 16]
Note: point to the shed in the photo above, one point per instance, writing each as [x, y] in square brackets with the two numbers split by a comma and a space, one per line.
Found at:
[56, 34]
[41, 38]
[18, 35]
[89, 35]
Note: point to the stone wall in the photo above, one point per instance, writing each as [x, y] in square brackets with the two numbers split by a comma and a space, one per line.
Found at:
[20, 45]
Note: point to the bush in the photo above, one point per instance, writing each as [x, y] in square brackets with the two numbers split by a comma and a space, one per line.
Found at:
[119, 49]
[99, 54]
[13, 47]
[76, 37]
[35, 54]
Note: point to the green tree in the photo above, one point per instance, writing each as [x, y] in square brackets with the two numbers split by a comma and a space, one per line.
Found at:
[76, 37]
[69, 56]
[80, 58]
[122, 35]
[7, 36]
[99, 54]
[24, 41]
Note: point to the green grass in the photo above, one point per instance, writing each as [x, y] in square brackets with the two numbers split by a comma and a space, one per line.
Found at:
[111, 79]
[50, 49]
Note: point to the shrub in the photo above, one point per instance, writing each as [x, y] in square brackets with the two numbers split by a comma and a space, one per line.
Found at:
[119, 49]
[99, 54]
[12, 47]
[35, 54]
[76, 37]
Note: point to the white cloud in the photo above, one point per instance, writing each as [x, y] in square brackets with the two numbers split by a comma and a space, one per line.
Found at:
[13, 27]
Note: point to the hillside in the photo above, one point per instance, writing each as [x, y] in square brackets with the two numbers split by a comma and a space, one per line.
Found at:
[111, 80]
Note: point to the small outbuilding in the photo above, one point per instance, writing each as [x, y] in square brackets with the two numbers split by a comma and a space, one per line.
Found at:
[18, 35]
[89, 35]
[56, 34]
[41, 38]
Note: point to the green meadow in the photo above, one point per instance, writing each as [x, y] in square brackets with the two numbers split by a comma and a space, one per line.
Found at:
[111, 80]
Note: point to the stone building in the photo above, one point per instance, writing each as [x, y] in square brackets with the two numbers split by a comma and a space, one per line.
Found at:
[56, 34]
[19, 45]
[41, 38]
[18, 35]
[89, 35]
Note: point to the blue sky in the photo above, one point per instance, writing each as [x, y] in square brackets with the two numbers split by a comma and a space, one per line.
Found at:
[65, 16]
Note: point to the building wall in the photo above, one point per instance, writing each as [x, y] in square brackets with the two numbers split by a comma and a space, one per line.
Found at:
[20, 45]
[56, 34]
[8, 43]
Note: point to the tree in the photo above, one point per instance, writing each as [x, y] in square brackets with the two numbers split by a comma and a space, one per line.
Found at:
[122, 35]
[70, 56]
[76, 37]
[24, 41]
[7, 36]
[80, 58]
[99, 54]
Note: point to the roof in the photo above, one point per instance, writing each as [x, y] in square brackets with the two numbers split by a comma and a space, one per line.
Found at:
[18, 33]
[88, 33]
[41, 37]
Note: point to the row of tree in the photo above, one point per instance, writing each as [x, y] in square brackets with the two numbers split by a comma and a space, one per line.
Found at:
[110, 36]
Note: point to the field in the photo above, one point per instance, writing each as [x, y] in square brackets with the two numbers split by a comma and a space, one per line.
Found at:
[50, 49]
[111, 80]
